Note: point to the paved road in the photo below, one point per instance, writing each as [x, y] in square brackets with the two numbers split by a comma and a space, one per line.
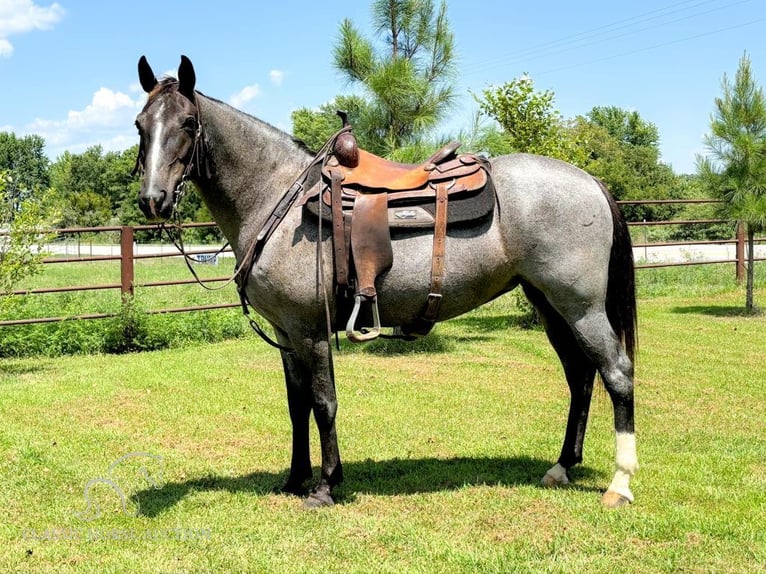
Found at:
[671, 254]
[85, 249]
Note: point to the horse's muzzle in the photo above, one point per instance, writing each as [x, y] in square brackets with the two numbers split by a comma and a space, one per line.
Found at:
[156, 206]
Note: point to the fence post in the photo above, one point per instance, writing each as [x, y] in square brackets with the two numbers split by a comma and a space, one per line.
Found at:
[126, 262]
[740, 252]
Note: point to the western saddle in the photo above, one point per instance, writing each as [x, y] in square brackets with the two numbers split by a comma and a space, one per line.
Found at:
[364, 196]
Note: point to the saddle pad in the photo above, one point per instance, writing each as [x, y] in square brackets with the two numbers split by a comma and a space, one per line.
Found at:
[465, 208]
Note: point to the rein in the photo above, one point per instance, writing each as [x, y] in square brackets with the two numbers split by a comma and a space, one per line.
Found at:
[245, 266]
[307, 178]
[177, 238]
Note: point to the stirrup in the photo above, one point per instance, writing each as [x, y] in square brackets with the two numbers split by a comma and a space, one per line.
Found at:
[363, 334]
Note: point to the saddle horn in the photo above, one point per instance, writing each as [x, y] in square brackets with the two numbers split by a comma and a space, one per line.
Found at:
[345, 149]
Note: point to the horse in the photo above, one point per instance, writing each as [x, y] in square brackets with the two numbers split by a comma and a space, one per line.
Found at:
[556, 232]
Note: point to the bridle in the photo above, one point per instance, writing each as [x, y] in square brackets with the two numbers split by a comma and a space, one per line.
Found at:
[174, 230]
[195, 157]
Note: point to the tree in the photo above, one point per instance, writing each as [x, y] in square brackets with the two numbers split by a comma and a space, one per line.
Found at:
[625, 126]
[26, 166]
[22, 227]
[622, 149]
[76, 179]
[406, 84]
[315, 127]
[735, 167]
[527, 116]
[95, 186]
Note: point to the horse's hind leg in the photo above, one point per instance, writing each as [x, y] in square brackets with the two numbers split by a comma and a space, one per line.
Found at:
[580, 374]
[599, 342]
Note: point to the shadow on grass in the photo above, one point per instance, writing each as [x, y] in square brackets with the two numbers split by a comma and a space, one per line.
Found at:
[716, 311]
[14, 369]
[473, 329]
[433, 343]
[385, 478]
[489, 323]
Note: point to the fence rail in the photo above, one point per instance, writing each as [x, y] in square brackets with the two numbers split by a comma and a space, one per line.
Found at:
[738, 241]
[128, 256]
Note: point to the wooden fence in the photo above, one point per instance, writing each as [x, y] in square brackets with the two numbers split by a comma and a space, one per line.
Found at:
[128, 257]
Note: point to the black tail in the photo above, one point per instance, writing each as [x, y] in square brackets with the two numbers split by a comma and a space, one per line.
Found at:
[621, 289]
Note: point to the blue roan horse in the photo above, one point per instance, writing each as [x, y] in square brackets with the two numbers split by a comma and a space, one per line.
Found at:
[555, 231]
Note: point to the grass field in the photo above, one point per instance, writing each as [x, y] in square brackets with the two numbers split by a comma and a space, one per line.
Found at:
[444, 444]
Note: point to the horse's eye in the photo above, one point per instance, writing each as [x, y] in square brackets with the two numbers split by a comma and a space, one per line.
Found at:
[189, 125]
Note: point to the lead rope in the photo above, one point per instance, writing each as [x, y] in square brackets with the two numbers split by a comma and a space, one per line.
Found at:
[178, 243]
[174, 234]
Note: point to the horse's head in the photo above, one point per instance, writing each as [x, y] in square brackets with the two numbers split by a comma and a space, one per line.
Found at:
[170, 138]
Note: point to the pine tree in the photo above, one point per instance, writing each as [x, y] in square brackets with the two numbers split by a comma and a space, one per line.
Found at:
[406, 82]
[735, 167]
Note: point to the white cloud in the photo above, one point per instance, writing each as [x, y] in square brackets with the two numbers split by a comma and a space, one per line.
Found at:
[6, 48]
[277, 77]
[21, 16]
[245, 95]
[107, 121]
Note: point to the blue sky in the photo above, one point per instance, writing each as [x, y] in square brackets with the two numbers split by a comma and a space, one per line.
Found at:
[68, 69]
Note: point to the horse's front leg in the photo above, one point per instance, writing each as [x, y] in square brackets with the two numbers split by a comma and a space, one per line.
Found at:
[299, 405]
[325, 406]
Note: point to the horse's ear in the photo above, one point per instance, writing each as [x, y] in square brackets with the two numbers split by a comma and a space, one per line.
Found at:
[186, 78]
[146, 75]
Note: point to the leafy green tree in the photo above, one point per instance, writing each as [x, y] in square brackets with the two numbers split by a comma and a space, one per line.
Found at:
[95, 186]
[480, 137]
[735, 167]
[315, 127]
[690, 186]
[622, 149]
[77, 180]
[406, 81]
[615, 145]
[22, 228]
[24, 160]
[625, 126]
[529, 121]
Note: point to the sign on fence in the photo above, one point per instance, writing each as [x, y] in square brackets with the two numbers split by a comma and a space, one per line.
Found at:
[206, 259]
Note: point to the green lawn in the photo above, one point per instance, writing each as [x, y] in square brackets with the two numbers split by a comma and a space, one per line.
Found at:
[444, 444]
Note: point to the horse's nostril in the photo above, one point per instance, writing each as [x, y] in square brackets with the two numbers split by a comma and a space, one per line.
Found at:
[143, 205]
[152, 204]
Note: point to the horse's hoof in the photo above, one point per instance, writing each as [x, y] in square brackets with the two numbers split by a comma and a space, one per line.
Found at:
[550, 481]
[612, 499]
[319, 498]
[555, 477]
